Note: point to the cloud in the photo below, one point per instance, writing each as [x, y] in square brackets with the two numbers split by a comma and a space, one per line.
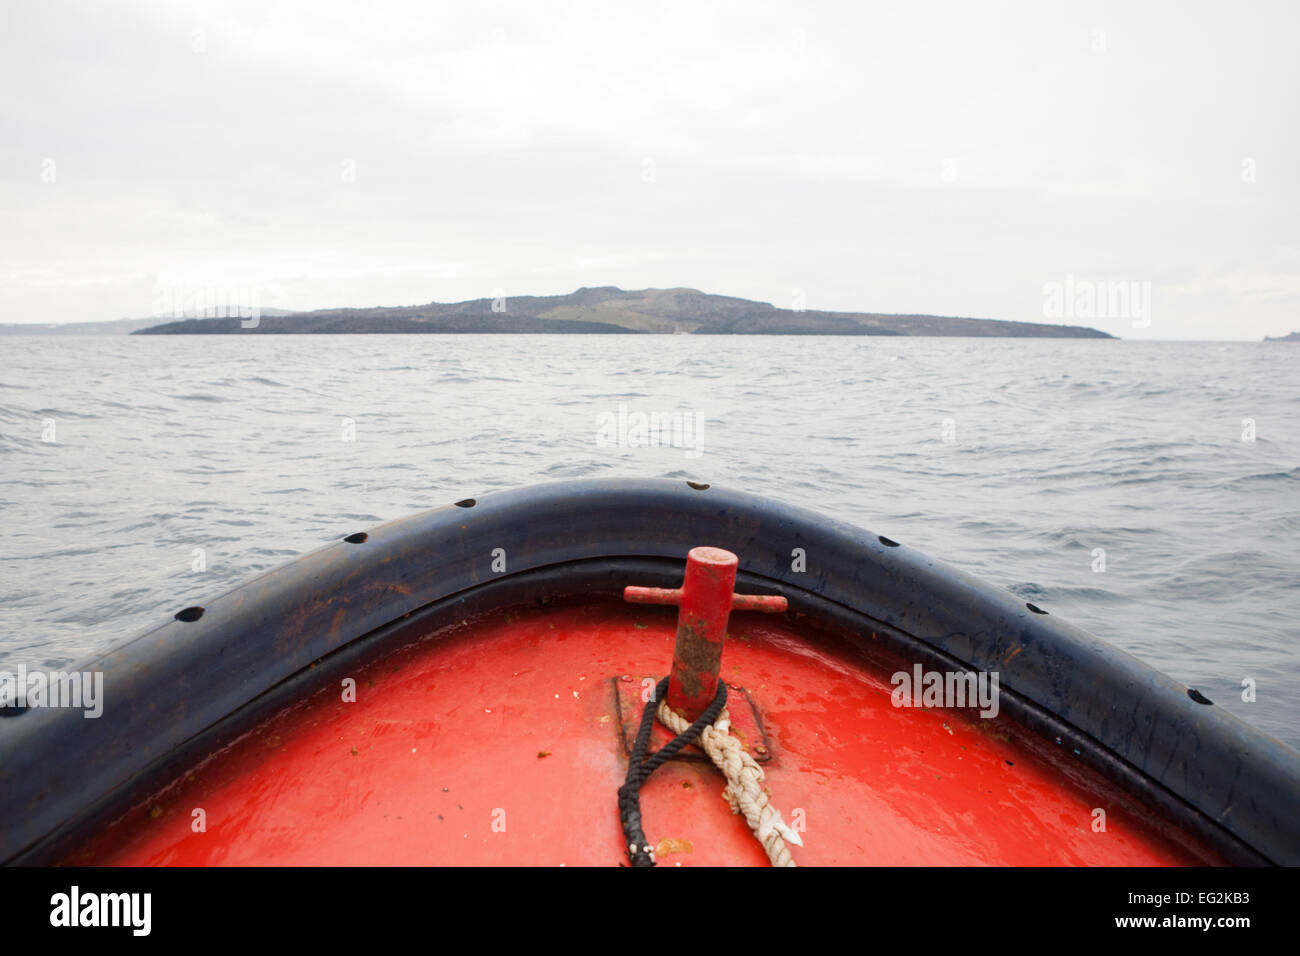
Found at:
[923, 158]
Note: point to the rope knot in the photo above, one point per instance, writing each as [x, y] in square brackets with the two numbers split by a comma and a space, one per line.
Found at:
[744, 791]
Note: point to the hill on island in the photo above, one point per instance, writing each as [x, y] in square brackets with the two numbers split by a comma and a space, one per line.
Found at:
[609, 309]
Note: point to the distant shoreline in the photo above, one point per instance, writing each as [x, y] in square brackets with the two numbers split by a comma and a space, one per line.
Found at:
[786, 334]
[610, 310]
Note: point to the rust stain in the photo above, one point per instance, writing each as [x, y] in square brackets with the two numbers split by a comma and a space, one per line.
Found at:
[693, 658]
[668, 845]
[337, 624]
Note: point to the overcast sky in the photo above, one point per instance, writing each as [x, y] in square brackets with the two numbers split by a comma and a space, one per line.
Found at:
[954, 158]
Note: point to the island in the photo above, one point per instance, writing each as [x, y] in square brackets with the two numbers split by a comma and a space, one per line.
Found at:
[608, 309]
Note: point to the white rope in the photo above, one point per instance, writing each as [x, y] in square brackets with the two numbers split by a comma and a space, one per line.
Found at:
[744, 790]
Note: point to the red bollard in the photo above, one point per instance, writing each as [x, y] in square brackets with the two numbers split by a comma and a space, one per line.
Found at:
[705, 602]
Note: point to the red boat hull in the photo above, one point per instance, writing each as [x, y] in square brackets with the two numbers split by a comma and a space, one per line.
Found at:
[501, 742]
[485, 642]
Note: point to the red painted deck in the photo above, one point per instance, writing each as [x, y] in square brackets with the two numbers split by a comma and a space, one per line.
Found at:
[499, 743]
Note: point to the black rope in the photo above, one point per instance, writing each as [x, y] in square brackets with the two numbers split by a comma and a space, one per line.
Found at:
[639, 767]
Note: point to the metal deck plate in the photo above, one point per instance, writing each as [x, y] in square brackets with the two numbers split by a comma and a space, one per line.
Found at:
[745, 722]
